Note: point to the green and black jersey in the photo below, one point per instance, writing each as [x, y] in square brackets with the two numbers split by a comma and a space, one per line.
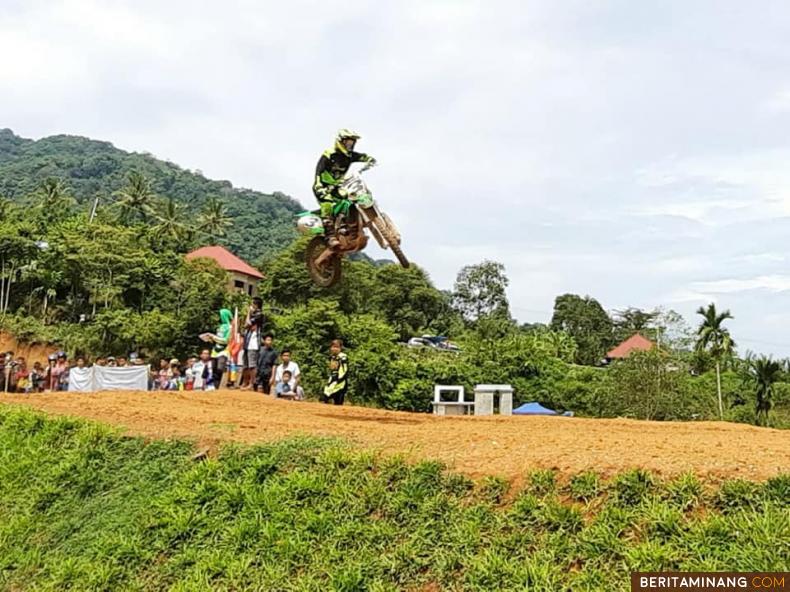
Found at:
[330, 170]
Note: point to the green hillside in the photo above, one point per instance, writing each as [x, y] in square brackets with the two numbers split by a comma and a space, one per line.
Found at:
[262, 223]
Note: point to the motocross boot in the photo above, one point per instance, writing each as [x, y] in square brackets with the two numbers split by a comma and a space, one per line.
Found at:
[330, 234]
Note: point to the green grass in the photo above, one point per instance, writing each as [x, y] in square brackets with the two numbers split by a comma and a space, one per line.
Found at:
[84, 508]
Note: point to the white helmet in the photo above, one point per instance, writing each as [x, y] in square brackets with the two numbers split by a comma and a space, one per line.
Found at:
[341, 137]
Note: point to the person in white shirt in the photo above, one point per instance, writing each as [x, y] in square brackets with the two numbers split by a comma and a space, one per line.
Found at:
[295, 378]
[202, 373]
[252, 344]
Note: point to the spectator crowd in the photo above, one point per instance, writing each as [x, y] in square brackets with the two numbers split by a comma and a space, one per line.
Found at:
[248, 361]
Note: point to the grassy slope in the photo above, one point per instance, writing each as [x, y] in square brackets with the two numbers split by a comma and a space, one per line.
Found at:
[84, 508]
[263, 223]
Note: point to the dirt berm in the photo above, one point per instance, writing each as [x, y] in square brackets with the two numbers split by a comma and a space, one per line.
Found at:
[506, 446]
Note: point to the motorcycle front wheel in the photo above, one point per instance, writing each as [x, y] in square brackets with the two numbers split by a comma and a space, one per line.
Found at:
[393, 242]
[326, 274]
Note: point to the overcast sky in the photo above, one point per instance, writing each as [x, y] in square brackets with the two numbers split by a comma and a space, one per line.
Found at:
[638, 152]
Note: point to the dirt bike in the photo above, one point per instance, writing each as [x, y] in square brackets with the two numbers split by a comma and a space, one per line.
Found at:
[353, 215]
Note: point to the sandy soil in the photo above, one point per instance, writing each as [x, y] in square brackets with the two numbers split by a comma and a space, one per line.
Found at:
[506, 446]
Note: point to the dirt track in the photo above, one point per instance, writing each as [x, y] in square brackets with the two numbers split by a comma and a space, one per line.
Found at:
[477, 446]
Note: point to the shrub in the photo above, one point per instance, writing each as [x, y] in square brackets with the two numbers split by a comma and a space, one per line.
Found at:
[585, 486]
[632, 487]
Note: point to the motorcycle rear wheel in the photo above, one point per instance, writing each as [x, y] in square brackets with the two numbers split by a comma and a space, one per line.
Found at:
[327, 274]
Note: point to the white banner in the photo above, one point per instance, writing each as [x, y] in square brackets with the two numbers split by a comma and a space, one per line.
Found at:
[131, 378]
[81, 380]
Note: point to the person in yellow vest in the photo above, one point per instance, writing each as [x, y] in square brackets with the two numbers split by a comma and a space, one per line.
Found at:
[337, 386]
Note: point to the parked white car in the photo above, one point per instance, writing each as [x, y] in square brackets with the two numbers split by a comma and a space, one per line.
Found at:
[433, 342]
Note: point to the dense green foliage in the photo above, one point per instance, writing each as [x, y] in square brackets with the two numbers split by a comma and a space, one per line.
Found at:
[586, 321]
[84, 508]
[262, 224]
[103, 287]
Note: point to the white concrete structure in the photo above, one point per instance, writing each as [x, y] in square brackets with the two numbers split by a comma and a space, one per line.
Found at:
[485, 395]
[457, 405]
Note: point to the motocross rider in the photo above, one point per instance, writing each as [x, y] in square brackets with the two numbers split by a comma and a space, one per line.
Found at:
[332, 167]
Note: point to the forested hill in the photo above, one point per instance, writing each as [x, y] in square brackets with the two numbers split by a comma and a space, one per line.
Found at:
[262, 223]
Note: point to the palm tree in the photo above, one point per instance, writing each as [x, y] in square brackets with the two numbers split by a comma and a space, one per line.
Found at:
[764, 373]
[170, 225]
[214, 218]
[713, 337]
[136, 198]
[53, 199]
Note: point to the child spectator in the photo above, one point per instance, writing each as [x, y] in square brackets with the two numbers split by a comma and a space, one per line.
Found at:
[163, 376]
[22, 376]
[283, 386]
[51, 375]
[287, 387]
[178, 381]
[267, 359]
[57, 368]
[63, 379]
[189, 374]
[37, 378]
[174, 374]
[205, 378]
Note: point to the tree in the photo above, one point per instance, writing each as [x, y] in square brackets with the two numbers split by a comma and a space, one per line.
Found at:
[480, 291]
[214, 218]
[53, 201]
[672, 331]
[136, 199]
[764, 374]
[648, 385]
[170, 229]
[103, 262]
[555, 344]
[15, 251]
[633, 320]
[714, 338]
[406, 298]
[586, 321]
[287, 282]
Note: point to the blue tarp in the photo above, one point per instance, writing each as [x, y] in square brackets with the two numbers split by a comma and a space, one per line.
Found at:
[537, 409]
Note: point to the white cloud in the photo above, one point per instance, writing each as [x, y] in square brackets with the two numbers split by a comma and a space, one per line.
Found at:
[773, 283]
[779, 102]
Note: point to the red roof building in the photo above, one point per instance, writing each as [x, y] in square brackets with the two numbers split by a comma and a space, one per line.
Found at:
[634, 343]
[243, 276]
